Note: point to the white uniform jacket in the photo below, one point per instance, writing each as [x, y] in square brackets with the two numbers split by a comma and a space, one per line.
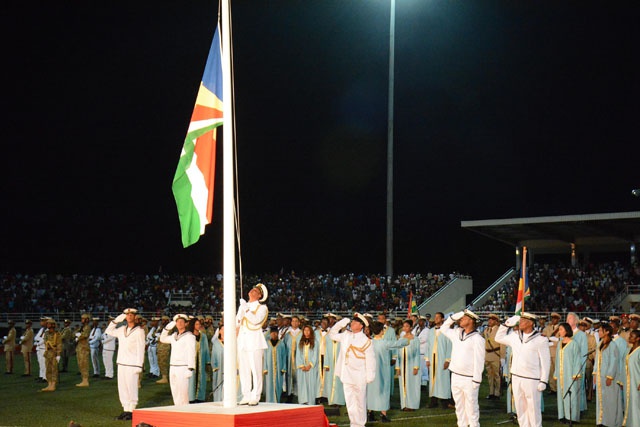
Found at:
[130, 342]
[531, 358]
[467, 351]
[249, 319]
[356, 362]
[183, 348]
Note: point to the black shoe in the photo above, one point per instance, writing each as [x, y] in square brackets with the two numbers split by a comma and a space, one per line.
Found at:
[121, 416]
[371, 418]
[384, 419]
[8, 373]
[127, 416]
[96, 375]
[26, 375]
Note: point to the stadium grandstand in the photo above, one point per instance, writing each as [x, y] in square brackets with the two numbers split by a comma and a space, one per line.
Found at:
[564, 273]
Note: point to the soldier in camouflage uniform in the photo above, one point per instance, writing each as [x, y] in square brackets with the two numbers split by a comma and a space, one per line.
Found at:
[52, 352]
[82, 349]
[67, 345]
[164, 351]
[10, 347]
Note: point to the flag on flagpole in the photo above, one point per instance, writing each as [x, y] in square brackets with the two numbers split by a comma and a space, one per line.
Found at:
[412, 308]
[194, 179]
[523, 284]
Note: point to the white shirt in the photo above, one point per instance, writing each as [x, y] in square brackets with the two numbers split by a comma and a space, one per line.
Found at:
[530, 353]
[131, 340]
[467, 351]
[356, 362]
[183, 348]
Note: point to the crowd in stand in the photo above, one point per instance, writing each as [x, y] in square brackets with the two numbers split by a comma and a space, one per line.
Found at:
[43, 293]
[589, 288]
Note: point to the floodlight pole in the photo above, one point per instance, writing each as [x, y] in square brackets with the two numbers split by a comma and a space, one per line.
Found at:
[392, 30]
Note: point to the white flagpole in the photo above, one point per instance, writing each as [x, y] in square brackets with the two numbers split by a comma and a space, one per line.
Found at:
[229, 257]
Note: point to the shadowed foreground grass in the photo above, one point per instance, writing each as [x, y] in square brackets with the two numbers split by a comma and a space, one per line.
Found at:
[23, 405]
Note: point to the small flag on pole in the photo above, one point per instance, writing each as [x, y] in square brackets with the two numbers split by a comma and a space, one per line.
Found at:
[412, 305]
[194, 179]
[523, 284]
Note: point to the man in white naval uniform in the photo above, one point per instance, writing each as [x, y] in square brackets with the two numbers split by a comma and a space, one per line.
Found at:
[251, 343]
[108, 349]
[95, 339]
[466, 366]
[152, 348]
[529, 366]
[38, 341]
[130, 358]
[356, 366]
[183, 357]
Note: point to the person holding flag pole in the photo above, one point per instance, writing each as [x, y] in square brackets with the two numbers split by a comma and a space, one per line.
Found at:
[531, 359]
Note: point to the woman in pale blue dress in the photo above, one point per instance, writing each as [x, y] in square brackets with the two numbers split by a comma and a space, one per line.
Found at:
[567, 375]
[605, 375]
[308, 378]
[409, 370]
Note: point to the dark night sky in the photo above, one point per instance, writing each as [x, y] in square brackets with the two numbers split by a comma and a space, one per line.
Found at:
[503, 109]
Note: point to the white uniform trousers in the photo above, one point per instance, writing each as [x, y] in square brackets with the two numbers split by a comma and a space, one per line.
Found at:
[179, 381]
[95, 360]
[527, 399]
[424, 371]
[107, 359]
[355, 396]
[466, 398]
[128, 386]
[152, 354]
[41, 363]
[250, 370]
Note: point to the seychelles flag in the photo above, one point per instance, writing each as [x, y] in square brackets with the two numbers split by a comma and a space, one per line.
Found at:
[193, 182]
[523, 284]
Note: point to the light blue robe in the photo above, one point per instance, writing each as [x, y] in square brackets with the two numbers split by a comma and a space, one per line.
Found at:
[568, 361]
[608, 398]
[408, 359]
[390, 334]
[631, 392]
[379, 391]
[217, 365]
[307, 381]
[291, 342]
[198, 381]
[623, 349]
[580, 338]
[274, 365]
[438, 352]
[335, 392]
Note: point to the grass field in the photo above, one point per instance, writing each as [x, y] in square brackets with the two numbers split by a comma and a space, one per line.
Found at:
[23, 405]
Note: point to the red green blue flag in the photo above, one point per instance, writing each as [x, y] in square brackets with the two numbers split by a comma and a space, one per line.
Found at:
[194, 179]
[523, 284]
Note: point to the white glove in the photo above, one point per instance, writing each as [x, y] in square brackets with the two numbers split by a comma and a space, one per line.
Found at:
[343, 322]
[77, 336]
[138, 371]
[542, 386]
[170, 325]
[512, 321]
[457, 316]
[242, 302]
[121, 318]
[475, 385]
[189, 374]
[57, 358]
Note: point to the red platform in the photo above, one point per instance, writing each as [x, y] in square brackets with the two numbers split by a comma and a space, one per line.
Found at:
[215, 414]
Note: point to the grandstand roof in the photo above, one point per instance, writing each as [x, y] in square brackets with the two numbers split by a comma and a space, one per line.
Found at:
[605, 232]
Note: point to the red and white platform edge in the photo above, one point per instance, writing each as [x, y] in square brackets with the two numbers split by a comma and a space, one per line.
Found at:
[214, 414]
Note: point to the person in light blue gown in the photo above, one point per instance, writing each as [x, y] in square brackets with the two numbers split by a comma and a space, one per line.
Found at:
[379, 391]
[308, 375]
[567, 375]
[274, 367]
[605, 375]
[632, 382]
[198, 381]
[409, 378]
